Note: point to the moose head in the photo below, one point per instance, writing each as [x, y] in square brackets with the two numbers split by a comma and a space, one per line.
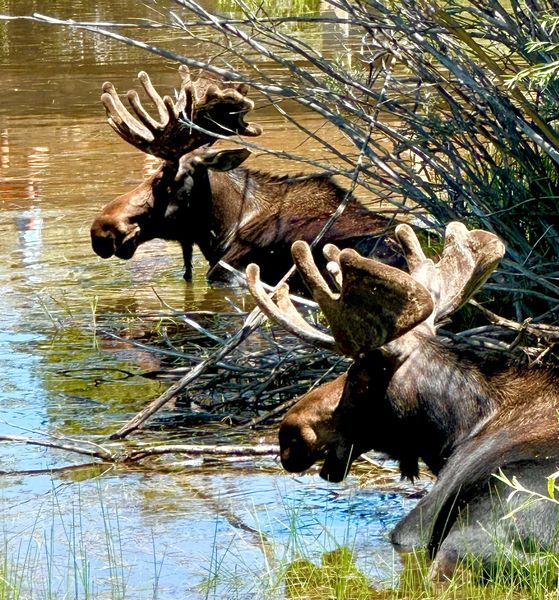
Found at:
[384, 319]
[182, 138]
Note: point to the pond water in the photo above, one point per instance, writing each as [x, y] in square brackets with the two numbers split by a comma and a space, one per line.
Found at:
[198, 531]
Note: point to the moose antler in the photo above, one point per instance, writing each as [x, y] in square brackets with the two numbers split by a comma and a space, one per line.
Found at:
[356, 320]
[218, 107]
[282, 310]
[467, 260]
[378, 303]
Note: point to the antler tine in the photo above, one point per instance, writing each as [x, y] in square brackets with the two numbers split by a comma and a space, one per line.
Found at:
[312, 277]
[468, 259]
[421, 268]
[143, 115]
[210, 104]
[413, 251]
[332, 253]
[283, 312]
[165, 112]
[186, 83]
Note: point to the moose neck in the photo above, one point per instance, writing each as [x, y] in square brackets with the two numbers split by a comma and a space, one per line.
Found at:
[225, 201]
[434, 398]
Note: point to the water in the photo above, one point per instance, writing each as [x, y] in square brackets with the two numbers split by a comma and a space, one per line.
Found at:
[111, 531]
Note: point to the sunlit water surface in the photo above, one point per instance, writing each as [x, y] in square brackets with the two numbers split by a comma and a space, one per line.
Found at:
[198, 532]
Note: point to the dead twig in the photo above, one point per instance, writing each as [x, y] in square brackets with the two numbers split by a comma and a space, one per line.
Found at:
[94, 451]
[197, 450]
[548, 332]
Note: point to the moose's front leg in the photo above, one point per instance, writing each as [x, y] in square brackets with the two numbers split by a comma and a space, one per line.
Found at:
[187, 258]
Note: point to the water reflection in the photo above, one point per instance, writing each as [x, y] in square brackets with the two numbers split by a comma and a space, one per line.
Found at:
[159, 527]
[29, 225]
[24, 191]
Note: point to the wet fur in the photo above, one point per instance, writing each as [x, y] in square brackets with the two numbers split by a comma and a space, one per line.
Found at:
[242, 216]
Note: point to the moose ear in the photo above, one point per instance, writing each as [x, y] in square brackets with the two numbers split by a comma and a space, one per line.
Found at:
[223, 160]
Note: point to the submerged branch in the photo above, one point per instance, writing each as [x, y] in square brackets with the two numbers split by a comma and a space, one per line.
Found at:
[197, 450]
[95, 451]
[122, 456]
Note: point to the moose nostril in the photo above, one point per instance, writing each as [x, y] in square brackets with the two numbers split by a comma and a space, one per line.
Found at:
[103, 246]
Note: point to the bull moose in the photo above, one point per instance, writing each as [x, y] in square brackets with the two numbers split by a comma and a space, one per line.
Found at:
[415, 395]
[202, 196]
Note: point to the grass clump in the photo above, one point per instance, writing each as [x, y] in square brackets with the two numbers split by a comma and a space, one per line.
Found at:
[335, 576]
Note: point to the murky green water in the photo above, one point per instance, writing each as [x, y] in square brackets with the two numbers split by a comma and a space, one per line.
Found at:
[115, 532]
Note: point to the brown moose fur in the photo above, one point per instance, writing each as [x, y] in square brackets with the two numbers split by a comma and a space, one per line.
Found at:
[466, 419]
[420, 396]
[236, 215]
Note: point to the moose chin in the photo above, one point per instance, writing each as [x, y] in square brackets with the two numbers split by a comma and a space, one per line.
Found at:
[413, 394]
[202, 196]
